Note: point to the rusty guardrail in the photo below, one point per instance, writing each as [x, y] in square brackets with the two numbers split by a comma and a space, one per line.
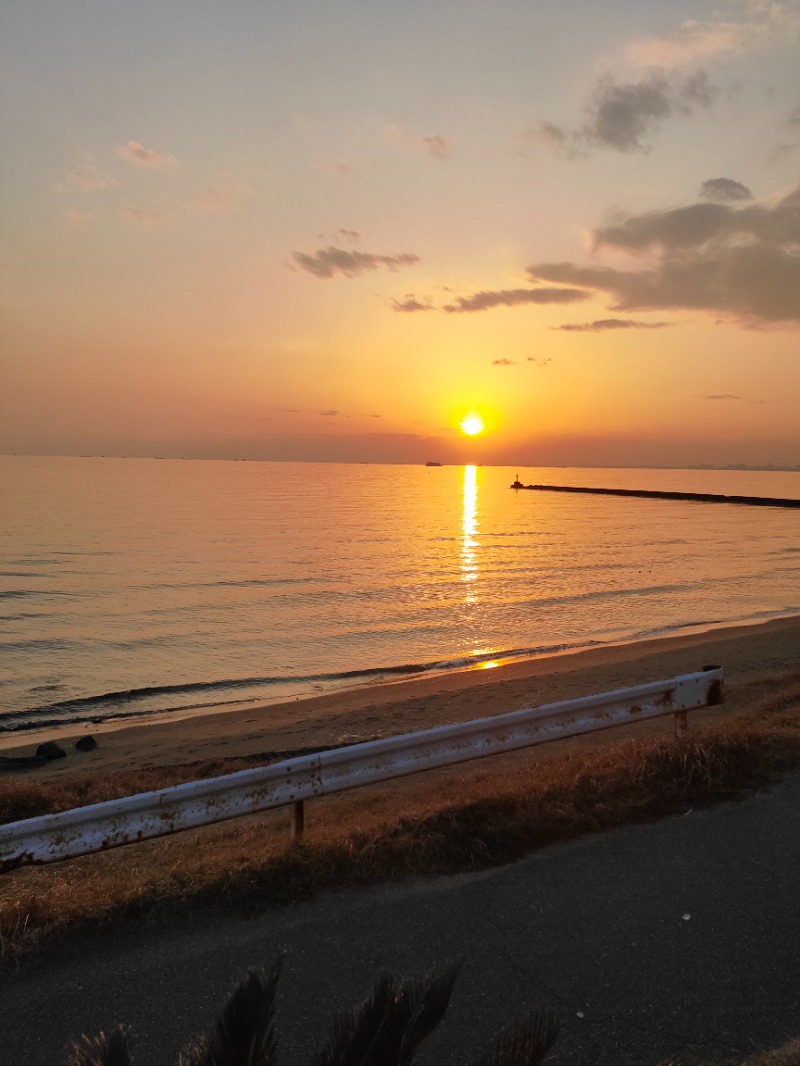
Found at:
[52, 837]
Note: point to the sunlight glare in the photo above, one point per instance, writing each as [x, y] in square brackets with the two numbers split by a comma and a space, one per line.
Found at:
[472, 424]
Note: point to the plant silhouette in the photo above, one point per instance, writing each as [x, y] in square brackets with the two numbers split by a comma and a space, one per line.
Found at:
[386, 1029]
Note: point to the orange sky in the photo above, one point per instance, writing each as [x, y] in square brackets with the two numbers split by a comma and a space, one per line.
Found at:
[298, 236]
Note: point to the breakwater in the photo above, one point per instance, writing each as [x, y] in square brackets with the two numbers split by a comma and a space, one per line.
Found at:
[654, 494]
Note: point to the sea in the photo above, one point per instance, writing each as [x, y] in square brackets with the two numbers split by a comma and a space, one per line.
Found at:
[139, 587]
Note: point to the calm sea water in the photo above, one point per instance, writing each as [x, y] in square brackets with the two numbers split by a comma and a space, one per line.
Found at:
[131, 587]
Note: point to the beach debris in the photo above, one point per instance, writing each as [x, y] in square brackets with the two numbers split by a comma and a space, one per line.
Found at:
[687, 917]
[50, 750]
[87, 743]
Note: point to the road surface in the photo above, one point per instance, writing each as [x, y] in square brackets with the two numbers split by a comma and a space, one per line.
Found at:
[667, 941]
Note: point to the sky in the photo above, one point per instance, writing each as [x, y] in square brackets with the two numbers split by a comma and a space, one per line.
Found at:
[331, 229]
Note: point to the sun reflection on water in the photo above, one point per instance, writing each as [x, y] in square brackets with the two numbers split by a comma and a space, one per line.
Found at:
[469, 530]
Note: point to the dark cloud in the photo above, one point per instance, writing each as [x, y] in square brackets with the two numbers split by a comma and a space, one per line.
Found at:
[600, 325]
[482, 301]
[624, 116]
[410, 303]
[329, 414]
[351, 235]
[538, 362]
[724, 190]
[503, 362]
[742, 261]
[621, 116]
[721, 396]
[327, 262]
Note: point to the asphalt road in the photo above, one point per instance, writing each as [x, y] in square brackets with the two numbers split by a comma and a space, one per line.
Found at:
[670, 941]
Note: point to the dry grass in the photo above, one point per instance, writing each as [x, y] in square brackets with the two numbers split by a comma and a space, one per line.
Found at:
[787, 1054]
[453, 820]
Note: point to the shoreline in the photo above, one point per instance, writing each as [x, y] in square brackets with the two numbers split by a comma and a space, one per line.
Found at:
[754, 656]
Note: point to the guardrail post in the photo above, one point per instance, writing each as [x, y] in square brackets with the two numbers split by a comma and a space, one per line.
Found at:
[681, 725]
[298, 820]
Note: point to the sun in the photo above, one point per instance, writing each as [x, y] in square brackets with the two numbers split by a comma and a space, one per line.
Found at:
[472, 425]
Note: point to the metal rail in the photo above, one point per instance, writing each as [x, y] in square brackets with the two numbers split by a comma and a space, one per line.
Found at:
[101, 826]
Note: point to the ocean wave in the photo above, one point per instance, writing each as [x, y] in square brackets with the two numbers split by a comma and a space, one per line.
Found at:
[118, 701]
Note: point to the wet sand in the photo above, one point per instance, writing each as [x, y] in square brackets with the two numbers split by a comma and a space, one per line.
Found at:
[756, 659]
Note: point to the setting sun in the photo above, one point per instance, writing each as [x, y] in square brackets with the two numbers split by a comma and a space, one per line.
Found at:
[471, 425]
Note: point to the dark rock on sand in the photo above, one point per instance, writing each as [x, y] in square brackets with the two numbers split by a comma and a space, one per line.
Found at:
[50, 750]
[85, 744]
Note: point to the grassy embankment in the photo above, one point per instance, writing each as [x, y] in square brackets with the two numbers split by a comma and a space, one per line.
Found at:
[461, 819]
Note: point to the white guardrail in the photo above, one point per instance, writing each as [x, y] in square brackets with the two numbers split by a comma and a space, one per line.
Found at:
[52, 837]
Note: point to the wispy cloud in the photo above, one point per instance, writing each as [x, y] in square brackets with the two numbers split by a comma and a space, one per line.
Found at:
[743, 261]
[504, 362]
[749, 24]
[410, 304]
[721, 396]
[142, 215]
[75, 220]
[88, 178]
[601, 325]
[483, 301]
[436, 144]
[225, 193]
[538, 362]
[330, 261]
[136, 153]
[329, 414]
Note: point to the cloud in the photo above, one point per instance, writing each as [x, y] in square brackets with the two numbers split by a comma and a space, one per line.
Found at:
[339, 165]
[558, 140]
[503, 362]
[624, 116]
[600, 325]
[76, 221]
[329, 414]
[692, 41]
[140, 215]
[724, 190]
[621, 116]
[409, 304]
[351, 235]
[483, 301]
[88, 178]
[224, 194]
[133, 152]
[721, 396]
[327, 262]
[743, 261]
[538, 362]
[435, 145]
[438, 146]
[751, 24]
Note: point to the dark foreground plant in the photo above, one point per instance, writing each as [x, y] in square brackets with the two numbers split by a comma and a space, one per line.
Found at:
[386, 1029]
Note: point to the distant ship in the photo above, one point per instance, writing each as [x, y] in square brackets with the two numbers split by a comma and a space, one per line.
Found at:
[431, 463]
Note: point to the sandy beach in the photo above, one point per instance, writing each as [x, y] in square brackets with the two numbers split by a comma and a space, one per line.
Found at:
[755, 658]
